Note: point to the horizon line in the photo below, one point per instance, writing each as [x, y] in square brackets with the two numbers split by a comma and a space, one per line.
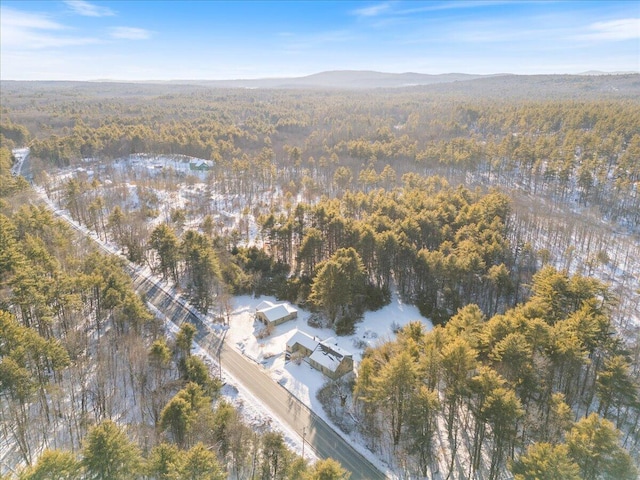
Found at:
[230, 79]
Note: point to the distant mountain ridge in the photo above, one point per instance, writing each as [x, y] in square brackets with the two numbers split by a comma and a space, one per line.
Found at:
[343, 79]
[499, 86]
[368, 79]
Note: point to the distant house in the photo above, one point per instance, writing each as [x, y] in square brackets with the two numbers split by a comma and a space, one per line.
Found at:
[331, 360]
[272, 314]
[200, 165]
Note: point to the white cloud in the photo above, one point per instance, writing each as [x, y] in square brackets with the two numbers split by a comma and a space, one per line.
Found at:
[86, 9]
[621, 29]
[372, 11]
[18, 19]
[130, 33]
[409, 9]
[456, 5]
[32, 31]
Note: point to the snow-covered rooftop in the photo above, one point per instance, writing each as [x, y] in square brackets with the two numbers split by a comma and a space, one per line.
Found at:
[277, 312]
[331, 343]
[264, 305]
[325, 356]
[324, 352]
[306, 340]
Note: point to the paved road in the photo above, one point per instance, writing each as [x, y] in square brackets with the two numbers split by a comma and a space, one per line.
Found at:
[322, 438]
[290, 411]
[319, 436]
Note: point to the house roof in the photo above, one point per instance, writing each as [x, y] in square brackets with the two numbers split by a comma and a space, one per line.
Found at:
[326, 357]
[306, 340]
[276, 312]
[199, 162]
[263, 305]
[330, 343]
[323, 353]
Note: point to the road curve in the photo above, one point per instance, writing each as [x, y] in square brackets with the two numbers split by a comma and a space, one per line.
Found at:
[290, 411]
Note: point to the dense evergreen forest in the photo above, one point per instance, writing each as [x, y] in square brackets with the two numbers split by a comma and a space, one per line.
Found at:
[509, 217]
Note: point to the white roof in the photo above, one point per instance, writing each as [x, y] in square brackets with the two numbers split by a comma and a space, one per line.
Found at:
[199, 162]
[326, 358]
[304, 339]
[263, 305]
[330, 343]
[277, 312]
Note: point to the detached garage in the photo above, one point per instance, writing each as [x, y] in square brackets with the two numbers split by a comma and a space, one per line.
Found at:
[275, 314]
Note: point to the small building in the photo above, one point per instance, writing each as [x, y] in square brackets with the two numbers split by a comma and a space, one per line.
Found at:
[272, 314]
[323, 355]
[200, 165]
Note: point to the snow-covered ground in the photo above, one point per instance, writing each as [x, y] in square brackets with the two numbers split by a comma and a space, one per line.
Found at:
[20, 154]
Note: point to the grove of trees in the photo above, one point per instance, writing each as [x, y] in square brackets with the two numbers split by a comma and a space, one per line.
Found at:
[535, 381]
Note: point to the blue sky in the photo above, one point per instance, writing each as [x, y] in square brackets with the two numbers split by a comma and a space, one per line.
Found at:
[163, 40]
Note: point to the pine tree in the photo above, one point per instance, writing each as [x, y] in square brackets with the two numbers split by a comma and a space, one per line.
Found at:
[327, 469]
[593, 444]
[109, 455]
[202, 269]
[275, 457]
[394, 389]
[165, 242]
[458, 360]
[422, 426]
[200, 463]
[163, 461]
[177, 417]
[615, 387]
[338, 283]
[186, 413]
[54, 465]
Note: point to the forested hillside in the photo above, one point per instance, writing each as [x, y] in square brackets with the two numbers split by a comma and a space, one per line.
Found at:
[507, 210]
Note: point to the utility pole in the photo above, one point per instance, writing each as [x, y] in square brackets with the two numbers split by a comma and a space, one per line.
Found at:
[304, 434]
[219, 359]
[220, 344]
